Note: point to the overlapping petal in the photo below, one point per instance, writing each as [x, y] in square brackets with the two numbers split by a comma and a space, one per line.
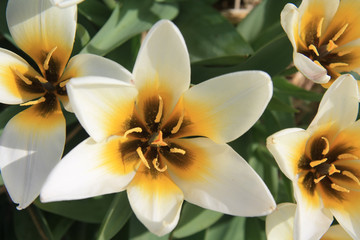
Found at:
[221, 183]
[310, 69]
[155, 200]
[13, 89]
[163, 65]
[89, 170]
[30, 146]
[38, 27]
[336, 232]
[339, 104]
[102, 105]
[287, 147]
[280, 223]
[225, 107]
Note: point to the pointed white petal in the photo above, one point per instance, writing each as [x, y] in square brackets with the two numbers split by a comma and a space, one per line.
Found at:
[37, 27]
[311, 70]
[102, 105]
[336, 232]
[312, 220]
[30, 147]
[156, 201]
[218, 178]
[289, 21]
[90, 169]
[13, 90]
[163, 62]
[339, 104]
[280, 223]
[83, 65]
[225, 107]
[65, 3]
[287, 147]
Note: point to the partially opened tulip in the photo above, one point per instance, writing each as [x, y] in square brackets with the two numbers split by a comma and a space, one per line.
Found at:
[32, 142]
[162, 141]
[325, 36]
[280, 225]
[323, 163]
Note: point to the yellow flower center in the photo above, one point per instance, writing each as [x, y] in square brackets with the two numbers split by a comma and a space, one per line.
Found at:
[323, 167]
[148, 138]
[46, 83]
[321, 50]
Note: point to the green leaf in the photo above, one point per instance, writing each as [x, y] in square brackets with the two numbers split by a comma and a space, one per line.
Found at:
[25, 227]
[261, 19]
[139, 232]
[194, 219]
[1, 180]
[207, 33]
[62, 226]
[228, 228]
[117, 215]
[82, 210]
[277, 104]
[126, 21]
[94, 11]
[7, 114]
[284, 87]
[255, 229]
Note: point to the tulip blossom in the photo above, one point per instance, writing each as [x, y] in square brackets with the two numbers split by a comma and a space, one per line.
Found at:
[323, 163]
[32, 142]
[164, 142]
[280, 225]
[325, 36]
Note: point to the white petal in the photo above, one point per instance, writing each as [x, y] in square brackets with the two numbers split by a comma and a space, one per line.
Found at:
[289, 21]
[280, 223]
[13, 90]
[65, 3]
[90, 169]
[336, 232]
[156, 201]
[37, 27]
[311, 221]
[102, 105]
[30, 147]
[83, 65]
[339, 104]
[311, 70]
[223, 182]
[349, 219]
[225, 107]
[287, 147]
[163, 62]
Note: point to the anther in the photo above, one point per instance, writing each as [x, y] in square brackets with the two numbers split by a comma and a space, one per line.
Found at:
[327, 146]
[40, 100]
[317, 63]
[338, 64]
[317, 162]
[317, 180]
[63, 83]
[331, 46]
[21, 76]
[48, 57]
[319, 28]
[313, 48]
[160, 111]
[347, 156]
[340, 32]
[142, 157]
[338, 188]
[342, 53]
[351, 175]
[41, 79]
[157, 165]
[178, 125]
[132, 130]
[332, 169]
[177, 150]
